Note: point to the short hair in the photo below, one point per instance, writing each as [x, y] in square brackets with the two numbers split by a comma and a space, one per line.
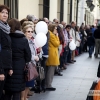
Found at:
[14, 24]
[4, 7]
[72, 22]
[23, 20]
[27, 23]
[31, 17]
[67, 26]
[51, 27]
[41, 19]
[26, 27]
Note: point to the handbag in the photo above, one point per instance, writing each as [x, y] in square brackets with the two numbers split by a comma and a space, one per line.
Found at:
[30, 71]
[41, 72]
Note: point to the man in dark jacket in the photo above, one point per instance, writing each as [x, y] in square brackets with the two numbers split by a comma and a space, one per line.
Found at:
[97, 41]
[90, 43]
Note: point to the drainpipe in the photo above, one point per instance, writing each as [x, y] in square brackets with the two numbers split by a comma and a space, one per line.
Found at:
[71, 1]
[77, 12]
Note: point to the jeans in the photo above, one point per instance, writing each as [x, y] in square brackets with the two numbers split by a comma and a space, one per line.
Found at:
[65, 55]
[69, 55]
[91, 50]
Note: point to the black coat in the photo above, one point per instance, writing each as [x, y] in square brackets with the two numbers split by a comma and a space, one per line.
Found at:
[21, 54]
[97, 33]
[5, 52]
[90, 41]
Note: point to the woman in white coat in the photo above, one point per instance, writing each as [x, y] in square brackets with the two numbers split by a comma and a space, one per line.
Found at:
[78, 40]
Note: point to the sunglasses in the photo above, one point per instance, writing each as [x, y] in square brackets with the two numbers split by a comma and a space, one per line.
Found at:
[29, 31]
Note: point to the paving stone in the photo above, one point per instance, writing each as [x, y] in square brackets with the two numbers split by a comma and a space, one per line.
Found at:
[75, 82]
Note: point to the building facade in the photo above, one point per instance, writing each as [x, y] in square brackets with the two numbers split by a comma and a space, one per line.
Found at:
[64, 10]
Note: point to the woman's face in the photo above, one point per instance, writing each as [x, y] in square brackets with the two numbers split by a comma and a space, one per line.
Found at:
[55, 30]
[29, 33]
[4, 15]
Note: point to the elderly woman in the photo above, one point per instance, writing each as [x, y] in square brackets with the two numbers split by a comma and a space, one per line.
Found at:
[53, 59]
[28, 31]
[21, 54]
[5, 48]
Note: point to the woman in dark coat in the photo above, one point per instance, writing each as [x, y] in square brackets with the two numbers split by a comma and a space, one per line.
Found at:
[5, 48]
[21, 54]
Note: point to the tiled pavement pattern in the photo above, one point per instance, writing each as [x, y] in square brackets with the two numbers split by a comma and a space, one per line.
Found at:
[75, 82]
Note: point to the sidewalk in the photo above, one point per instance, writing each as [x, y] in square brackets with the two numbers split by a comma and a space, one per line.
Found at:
[75, 82]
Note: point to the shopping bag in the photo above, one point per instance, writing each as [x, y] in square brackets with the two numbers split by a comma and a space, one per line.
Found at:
[90, 95]
[96, 95]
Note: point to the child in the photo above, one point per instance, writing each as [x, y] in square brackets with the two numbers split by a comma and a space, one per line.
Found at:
[90, 43]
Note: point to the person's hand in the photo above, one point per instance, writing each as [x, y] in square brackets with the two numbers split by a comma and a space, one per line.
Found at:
[56, 34]
[36, 58]
[2, 77]
[10, 72]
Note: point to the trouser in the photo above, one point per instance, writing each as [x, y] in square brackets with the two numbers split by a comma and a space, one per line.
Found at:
[73, 55]
[43, 64]
[2, 84]
[91, 50]
[65, 55]
[69, 56]
[49, 75]
[97, 46]
[12, 95]
[85, 47]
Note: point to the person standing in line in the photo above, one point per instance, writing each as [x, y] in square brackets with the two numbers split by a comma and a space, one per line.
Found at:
[73, 36]
[5, 48]
[21, 55]
[53, 59]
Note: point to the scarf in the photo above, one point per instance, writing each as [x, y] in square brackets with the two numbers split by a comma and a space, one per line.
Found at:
[18, 31]
[4, 27]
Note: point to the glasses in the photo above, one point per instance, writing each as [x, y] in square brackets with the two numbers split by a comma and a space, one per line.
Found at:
[29, 31]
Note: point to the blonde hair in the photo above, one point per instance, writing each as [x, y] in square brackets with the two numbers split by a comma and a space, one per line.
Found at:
[26, 27]
[27, 23]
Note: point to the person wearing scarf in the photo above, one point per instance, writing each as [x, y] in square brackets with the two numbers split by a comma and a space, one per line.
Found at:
[5, 48]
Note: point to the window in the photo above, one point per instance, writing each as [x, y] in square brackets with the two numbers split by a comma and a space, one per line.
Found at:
[46, 8]
[61, 10]
[13, 5]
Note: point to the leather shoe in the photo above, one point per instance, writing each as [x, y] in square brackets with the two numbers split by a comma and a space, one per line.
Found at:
[51, 89]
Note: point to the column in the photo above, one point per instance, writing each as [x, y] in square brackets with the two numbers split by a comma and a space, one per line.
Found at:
[65, 10]
[53, 9]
